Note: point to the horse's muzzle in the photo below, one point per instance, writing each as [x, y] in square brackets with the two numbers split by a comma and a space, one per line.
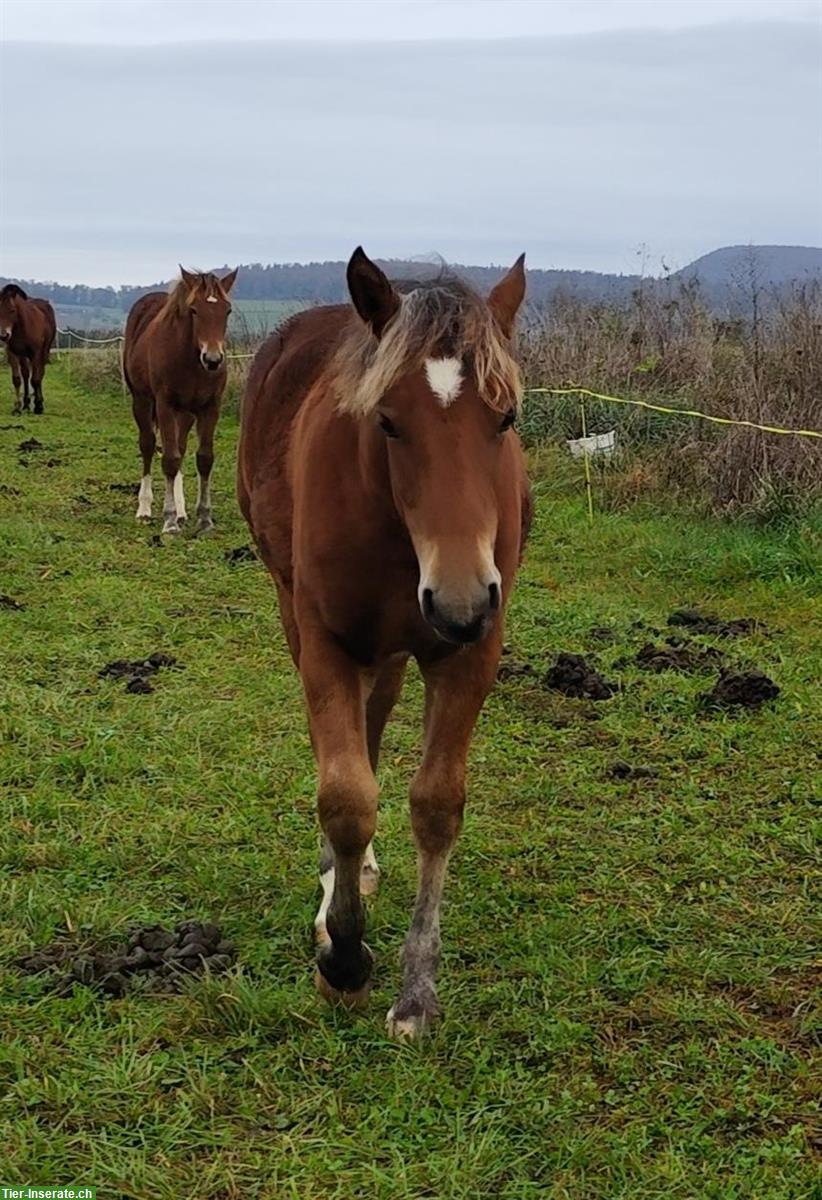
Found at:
[211, 360]
[5, 335]
[462, 624]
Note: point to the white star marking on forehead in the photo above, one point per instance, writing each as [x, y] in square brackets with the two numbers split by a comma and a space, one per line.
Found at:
[444, 377]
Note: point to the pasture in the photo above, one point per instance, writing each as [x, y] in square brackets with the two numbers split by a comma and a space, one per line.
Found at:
[631, 969]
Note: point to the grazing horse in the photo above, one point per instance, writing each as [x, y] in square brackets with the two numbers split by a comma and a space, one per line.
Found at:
[174, 366]
[386, 490]
[27, 330]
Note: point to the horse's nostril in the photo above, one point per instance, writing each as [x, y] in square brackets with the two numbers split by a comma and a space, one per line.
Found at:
[427, 603]
[493, 596]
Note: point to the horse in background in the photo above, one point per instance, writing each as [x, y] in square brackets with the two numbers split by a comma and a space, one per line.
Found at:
[174, 365]
[386, 490]
[27, 330]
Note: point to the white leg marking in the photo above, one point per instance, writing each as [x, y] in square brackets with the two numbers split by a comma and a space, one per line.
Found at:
[327, 884]
[204, 520]
[370, 873]
[145, 498]
[179, 497]
[444, 377]
[170, 509]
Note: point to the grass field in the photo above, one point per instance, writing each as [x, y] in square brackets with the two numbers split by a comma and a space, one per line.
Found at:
[631, 968]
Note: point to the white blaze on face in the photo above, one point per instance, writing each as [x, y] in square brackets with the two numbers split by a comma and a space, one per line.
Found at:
[444, 377]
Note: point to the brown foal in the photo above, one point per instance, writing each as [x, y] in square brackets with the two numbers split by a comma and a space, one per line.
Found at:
[386, 490]
[174, 366]
[27, 330]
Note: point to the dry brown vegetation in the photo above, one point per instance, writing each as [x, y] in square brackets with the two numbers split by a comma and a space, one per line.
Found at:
[668, 349]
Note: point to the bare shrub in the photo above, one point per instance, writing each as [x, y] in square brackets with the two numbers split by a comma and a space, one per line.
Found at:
[666, 348]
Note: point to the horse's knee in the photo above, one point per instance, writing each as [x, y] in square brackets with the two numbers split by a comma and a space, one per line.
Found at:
[348, 813]
[436, 813]
[171, 465]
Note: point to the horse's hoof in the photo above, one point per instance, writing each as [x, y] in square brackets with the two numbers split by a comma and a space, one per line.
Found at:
[355, 1001]
[369, 880]
[203, 527]
[143, 518]
[169, 528]
[411, 1027]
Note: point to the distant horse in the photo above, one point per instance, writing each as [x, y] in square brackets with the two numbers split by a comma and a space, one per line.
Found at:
[174, 366]
[386, 490]
[27, 330]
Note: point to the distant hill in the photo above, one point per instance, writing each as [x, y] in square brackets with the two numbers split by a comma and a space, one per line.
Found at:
[267, 292]
[772, 266]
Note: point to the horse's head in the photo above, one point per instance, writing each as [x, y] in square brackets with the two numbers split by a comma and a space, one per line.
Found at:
[9, 297]
[207, 301]
[441, 390]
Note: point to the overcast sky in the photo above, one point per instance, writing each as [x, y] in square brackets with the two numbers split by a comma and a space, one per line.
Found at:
[142, 133]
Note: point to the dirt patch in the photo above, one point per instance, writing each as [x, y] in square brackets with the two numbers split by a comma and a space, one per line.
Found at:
[7, 490]
[10, 602]
[741, 689]
[30, 445]
[624, 770]
[128, 489]
[697, 622]
[5, 428]
[603, 634]
[83, 501]
[138, 672]
[677, 655]
[153, 958]
[241, 554]
[574, 677]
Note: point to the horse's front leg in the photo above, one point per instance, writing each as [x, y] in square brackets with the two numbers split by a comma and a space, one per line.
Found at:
[206, 424]
[455, 690]
[347, 802]
[174, 428]
[17, 380]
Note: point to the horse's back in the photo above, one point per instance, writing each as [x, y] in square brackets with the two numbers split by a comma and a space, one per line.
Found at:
[283, 372]
[142, 313]
[140, 316]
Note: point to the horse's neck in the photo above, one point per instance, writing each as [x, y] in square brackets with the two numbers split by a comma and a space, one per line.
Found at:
[179, 332]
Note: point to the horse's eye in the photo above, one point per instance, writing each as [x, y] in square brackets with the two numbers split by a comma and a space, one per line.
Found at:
[388, 428]
[508, 420]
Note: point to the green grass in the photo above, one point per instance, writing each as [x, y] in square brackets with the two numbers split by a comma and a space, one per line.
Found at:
[630, 976]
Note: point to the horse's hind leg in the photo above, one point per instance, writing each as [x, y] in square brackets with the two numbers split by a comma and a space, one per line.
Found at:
[454, 693]
[37, 371]
[143, 410]
[384, 695]
[25, 367]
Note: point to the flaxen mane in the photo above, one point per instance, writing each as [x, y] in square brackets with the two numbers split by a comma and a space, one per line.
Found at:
[442, 318]
[180, 294]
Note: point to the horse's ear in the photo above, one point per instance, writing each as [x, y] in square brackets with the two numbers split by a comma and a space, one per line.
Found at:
[371, 292]
[227, 281]
[507, 296]
[188, 279]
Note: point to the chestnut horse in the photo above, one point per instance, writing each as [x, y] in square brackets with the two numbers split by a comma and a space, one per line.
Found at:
[386, 490]
[174, 366]
[27, 330]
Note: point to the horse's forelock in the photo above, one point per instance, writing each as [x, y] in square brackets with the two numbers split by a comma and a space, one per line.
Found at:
[443, 317]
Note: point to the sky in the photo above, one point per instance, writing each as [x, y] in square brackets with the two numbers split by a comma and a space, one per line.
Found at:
[600, 134]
